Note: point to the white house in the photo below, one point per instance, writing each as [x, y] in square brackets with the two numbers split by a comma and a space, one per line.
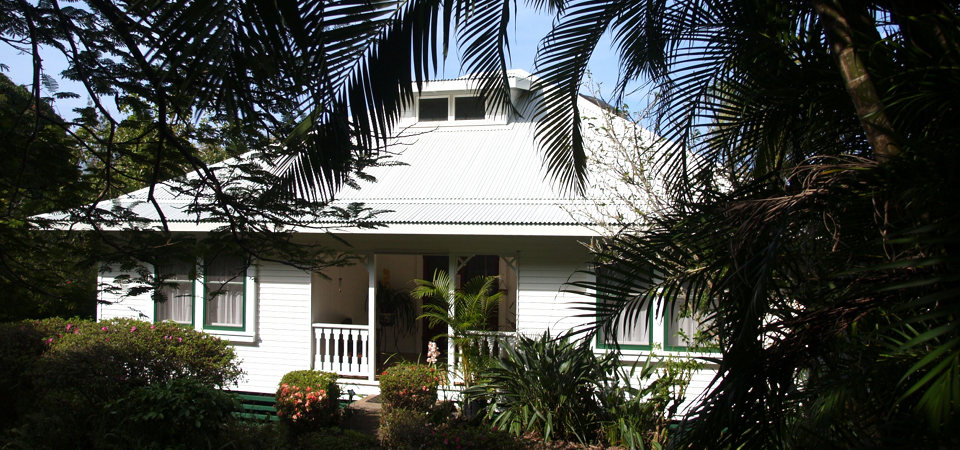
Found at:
[473, 198]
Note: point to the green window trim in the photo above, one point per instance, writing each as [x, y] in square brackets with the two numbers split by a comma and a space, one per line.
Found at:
[243, 304]
[602, 344]
[193, 303]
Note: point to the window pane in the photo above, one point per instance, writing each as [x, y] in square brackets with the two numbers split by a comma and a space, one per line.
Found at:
[618, 284]
[224, 292]
[631, 327]
[468, 108]
[433, 109]
[681, 331]
[176, 303]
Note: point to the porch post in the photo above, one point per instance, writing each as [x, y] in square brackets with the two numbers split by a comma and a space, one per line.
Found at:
[451, 348]
[372, 314]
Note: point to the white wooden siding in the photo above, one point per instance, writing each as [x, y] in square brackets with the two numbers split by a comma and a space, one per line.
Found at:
[284, 335]
[541, 303]
[116, 305]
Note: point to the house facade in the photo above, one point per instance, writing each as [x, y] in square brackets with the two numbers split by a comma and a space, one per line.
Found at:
[471, 198]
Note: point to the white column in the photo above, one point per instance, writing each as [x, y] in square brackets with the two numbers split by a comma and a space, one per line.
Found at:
[451, 348]
[371, 348]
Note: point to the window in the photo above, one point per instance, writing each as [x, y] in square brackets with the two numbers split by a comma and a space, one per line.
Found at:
[175, 301]
[632, 327]
[224, 288]
[681, 330]
[468, 108]
[433, 109]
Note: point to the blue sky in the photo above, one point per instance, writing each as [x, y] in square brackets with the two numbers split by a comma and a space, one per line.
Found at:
[526, 31]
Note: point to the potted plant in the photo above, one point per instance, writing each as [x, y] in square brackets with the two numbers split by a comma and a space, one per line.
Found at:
[395, 308]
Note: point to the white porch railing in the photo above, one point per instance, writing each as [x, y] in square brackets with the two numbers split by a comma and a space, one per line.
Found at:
[342, 349]
[491, 344]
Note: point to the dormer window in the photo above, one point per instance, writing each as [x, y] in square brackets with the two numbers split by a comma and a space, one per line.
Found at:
[468, 108]
[437, 109]
[433, 109]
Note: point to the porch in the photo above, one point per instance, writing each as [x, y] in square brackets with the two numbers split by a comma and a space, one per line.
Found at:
[355, 338]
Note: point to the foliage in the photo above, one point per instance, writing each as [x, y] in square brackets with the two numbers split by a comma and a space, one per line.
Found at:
[179, 413]
[407, 429]
[411, 387]
[640, 406]
[146, 122]
[93, 355]
[559, 389]
[399, 303]
[84, 370]
[544, 385]
[334, 438]
[807, 151]
[404, 428]
[461, 436]
[308, 399]
[22, 347]
[469, 312]
[41, 274]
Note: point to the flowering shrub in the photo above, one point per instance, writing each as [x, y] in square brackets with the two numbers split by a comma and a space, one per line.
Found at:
[134, 353]
[308, 399]
[409, 386]
[75, 369]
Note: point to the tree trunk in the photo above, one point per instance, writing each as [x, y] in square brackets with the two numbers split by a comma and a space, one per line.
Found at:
[856, 78]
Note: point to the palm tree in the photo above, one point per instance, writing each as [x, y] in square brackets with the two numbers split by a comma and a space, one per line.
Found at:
[469, 312]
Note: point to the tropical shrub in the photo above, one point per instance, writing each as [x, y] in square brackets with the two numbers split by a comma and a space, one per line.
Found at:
[556, 387]
[409, 386]
[639, 403]
[546, 385]
[182, 413]
[83, 367]
[468, 313]
[308, 399]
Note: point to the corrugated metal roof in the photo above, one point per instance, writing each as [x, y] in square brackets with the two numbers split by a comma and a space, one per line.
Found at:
[472, 174]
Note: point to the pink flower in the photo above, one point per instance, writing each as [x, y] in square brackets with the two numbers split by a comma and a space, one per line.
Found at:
[103, 328]
[133, 328]
[69, 326]
[179, 339]
[153, 327]
[50, 341]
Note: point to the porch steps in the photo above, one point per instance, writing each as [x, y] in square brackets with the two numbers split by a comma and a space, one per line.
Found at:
[256, 407]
